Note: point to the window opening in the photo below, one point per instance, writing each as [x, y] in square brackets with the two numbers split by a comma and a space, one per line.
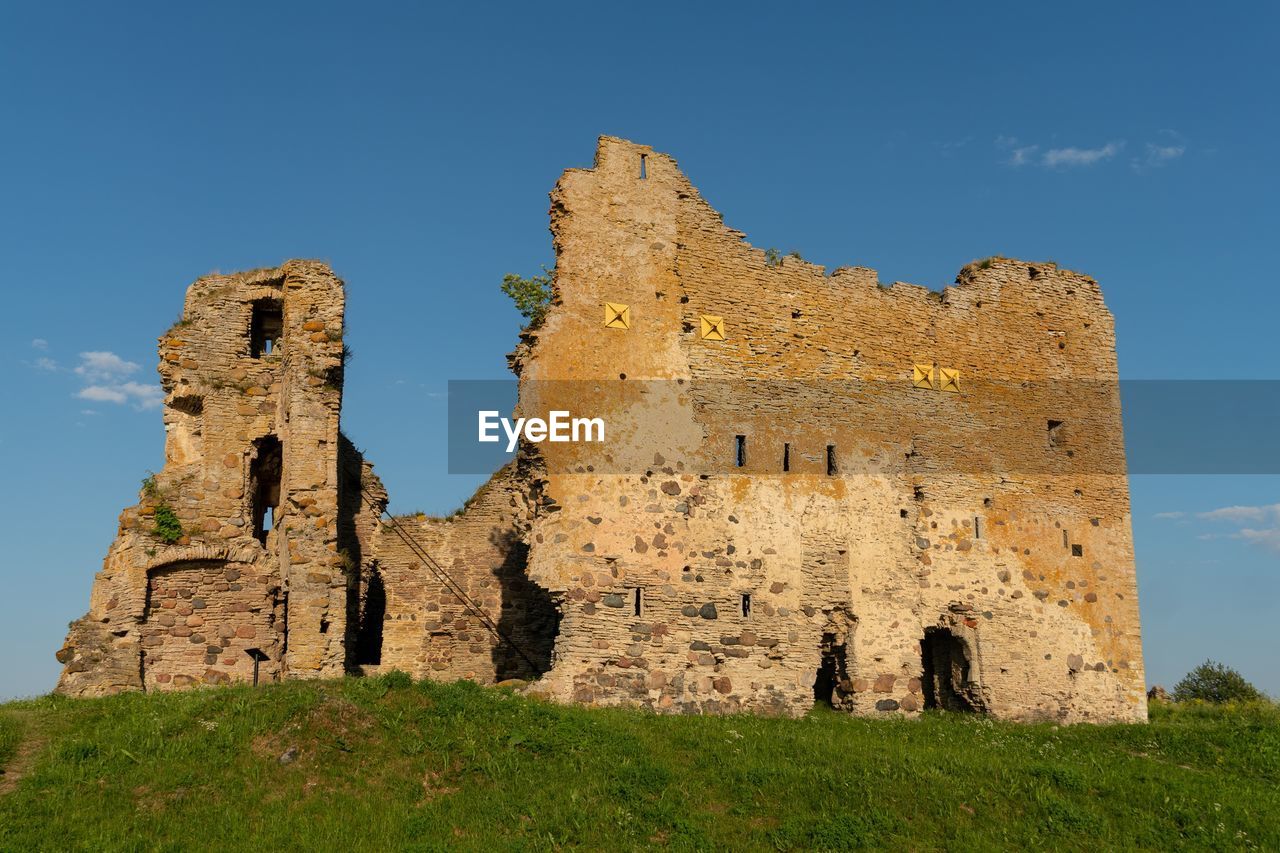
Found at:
[1056, 434]
[264, 484]
[266, 327]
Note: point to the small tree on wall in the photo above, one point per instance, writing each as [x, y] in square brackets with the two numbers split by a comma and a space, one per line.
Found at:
[531, 295]
[1214, 682]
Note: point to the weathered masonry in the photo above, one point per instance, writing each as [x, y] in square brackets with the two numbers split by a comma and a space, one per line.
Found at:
[817, 488]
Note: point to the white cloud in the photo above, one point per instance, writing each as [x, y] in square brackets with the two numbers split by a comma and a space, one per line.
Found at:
[1056, 158]
[104, 367]
[102, 394]
[140, 395]
[1072, 156]
[148, 396]
[1157, 156]
[1268, 538]
[1170, 147]
[104, 377]
[1169, 515]
[1019, 155]
[1264, 520]
[1240, 514]
[1023, 155]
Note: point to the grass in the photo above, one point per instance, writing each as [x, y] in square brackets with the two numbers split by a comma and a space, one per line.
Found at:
[11, 728]
[384, 763]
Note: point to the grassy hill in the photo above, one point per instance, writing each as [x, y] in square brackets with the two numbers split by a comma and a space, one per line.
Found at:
[382, 763]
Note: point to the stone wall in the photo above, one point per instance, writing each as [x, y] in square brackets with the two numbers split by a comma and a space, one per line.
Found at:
[869, 538]
[431, 631]
[207, 621]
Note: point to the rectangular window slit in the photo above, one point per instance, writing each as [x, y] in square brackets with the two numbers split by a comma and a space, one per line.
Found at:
[977, 527]
[831, 460]
[1077, 550]
[637, 600]
[740, 452]
[746, 605]
[1066, 540]
[1056, 435]
[786, 457]
[265, 327]
[643, 162]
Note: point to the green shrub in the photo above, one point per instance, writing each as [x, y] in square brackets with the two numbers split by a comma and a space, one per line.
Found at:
[531, 295]
[167, 528]
[1215, 682]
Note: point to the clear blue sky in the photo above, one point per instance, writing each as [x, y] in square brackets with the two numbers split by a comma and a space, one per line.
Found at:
[143, 145]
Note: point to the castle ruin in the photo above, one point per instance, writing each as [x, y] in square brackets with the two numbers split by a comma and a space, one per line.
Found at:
[817, 488]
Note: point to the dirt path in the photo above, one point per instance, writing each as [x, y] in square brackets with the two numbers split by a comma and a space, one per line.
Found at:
[22, 760]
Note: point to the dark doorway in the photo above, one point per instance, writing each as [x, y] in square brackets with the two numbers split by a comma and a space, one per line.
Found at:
[831, 672]
[946, 681]
[264, 485]
[373, 611]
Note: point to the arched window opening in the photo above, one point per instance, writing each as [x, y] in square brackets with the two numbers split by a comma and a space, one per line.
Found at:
[264, 485]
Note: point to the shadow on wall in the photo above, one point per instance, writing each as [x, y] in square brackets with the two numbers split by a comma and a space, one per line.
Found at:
[366, 604]
[530, 617]
[371, 607]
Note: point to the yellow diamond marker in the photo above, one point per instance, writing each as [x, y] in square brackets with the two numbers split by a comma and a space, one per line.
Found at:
[617, 316]
[950, 379]
[922, 376]
[712, 328]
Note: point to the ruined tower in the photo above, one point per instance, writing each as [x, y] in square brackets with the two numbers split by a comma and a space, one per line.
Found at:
[231, 560]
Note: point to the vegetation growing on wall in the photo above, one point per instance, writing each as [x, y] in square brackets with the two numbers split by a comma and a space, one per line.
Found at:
[531, 295]
[167, 527]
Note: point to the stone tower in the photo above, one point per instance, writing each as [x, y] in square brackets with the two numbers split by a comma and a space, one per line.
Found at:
[234, 546]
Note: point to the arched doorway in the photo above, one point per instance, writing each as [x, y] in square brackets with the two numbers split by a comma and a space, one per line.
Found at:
[206, 621]
[948, 680]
